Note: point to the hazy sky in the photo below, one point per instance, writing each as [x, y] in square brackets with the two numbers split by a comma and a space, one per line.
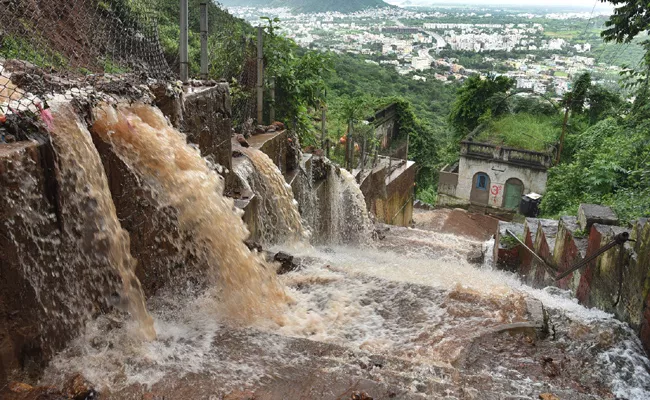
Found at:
[571, 3]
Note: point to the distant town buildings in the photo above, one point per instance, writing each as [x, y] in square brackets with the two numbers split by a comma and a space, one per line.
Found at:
[413, 49]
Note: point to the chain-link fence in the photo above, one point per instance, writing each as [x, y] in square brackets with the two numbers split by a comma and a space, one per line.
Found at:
[74, 47]
[77, 47]
[243, 91]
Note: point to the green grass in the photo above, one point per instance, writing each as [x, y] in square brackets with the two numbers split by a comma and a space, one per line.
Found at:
[563, 34]
[522, 131]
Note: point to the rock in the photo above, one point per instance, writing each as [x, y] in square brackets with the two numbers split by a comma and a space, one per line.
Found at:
[259, 129]
[475, 256]
[242, 141]
[78, 388]
[153, 396]
[360, 396]
[548, 396]
[380, 233]
[240, 395]
[286, 263]
[279, 125]
[22, 391]
[19, 387]
[271, 129]
[252, 245]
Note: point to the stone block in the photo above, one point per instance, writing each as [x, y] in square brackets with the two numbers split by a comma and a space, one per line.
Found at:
[207, 123]
[589, 214]
[274, 145]
[570, 248]
[23, 191]
[507, 250]
[154, 235]
[168, 98]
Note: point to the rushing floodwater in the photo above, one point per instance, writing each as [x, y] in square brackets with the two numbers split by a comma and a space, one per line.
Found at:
[408, 314]
[371, 302]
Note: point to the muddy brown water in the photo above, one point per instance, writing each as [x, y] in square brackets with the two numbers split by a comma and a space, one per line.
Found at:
[404, 318]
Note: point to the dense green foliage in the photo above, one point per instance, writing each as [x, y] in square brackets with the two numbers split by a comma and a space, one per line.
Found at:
[610, 161]
[611, 165]
[422, 109]
[479, 100]
[230, 38]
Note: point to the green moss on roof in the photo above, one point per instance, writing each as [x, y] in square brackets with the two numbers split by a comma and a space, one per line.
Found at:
[522, 131]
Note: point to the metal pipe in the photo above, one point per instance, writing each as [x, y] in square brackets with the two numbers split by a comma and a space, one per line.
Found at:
[620, 239]
[260, 75]
[204, 40]
[531, 251]
[184, 56]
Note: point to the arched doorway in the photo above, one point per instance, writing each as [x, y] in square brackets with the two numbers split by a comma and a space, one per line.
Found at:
[513, 193]
[480, 194]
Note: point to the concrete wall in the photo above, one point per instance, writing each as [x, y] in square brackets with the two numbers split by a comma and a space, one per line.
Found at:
[207, 123]
[390, 197]
[534, 180]
[617, 282]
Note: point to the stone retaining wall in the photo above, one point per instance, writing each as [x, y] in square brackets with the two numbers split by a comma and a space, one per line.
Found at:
[617, 282]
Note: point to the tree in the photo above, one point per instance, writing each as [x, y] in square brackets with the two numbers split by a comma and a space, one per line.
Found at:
[630, 18]
[299, 79]
[479, 98]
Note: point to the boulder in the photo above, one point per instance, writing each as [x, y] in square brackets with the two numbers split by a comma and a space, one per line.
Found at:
[286, 262]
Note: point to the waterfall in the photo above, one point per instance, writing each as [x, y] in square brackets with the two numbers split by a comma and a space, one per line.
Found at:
[278, 219]
[73, 252]
[349, 219]
[179, 178]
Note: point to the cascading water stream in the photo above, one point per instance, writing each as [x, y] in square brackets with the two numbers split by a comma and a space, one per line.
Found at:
[394, 316]
[349, 220]
[278, 218]
[84, 263]
[179, 178]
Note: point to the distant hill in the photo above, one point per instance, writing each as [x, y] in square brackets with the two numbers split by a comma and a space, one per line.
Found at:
[312, 6]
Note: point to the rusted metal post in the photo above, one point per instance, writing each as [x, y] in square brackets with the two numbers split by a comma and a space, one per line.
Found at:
[204, 40]
[260, 75]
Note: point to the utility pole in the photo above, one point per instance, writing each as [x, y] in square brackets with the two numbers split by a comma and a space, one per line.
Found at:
[184, 61]
[260, 75]
[564, 124]
[204, 40]
[348, 138]
[323, 125]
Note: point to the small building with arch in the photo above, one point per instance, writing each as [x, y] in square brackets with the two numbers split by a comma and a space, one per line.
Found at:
[493, 176]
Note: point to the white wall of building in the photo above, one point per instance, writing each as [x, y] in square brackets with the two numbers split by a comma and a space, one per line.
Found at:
[533, 180]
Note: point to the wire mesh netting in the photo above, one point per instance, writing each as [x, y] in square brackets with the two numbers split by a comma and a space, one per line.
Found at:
[243, 91]
[75, 47]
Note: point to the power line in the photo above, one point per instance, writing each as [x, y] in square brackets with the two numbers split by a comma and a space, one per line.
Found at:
[591, 16]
